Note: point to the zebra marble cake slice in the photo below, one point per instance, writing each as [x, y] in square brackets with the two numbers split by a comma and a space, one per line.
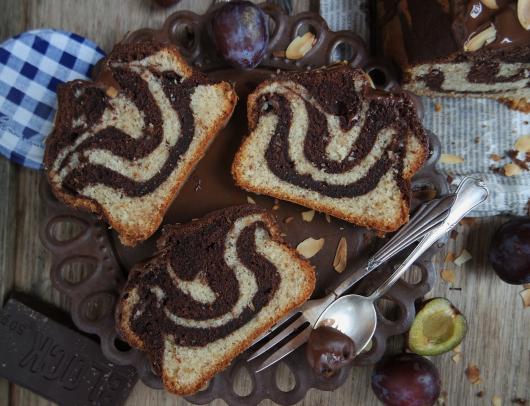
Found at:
[472, 48]
[122, 146]
[213, 286]
[328, 140]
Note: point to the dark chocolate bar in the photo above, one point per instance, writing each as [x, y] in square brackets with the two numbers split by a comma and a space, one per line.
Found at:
[57, 362]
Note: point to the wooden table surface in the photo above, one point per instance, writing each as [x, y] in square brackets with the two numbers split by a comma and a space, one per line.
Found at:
[498, 340]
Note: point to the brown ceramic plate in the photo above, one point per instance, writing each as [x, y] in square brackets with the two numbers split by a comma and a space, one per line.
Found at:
[211, 187]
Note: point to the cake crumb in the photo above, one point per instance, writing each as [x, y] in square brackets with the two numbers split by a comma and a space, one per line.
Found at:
[496, 400]
[473, 374]
[437, 107]
[495, 157]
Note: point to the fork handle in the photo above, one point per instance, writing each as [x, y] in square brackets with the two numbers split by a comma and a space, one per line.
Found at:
[426, 218]
[471, 192]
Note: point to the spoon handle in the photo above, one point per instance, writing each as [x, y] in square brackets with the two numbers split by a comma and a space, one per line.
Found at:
[470, 193]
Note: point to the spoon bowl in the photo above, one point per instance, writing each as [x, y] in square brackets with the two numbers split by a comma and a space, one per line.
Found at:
[354, 316]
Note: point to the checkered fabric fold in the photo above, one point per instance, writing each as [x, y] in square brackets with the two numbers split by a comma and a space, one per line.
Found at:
[32, 64]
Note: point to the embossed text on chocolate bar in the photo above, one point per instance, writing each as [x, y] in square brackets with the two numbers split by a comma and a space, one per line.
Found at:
[56, 362]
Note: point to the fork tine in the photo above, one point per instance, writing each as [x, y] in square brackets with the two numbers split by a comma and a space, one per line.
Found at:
[276, 326]
[286, 349]
[281, 336]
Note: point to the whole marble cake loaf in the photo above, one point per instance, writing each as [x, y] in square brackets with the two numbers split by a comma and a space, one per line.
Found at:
[213, 286]
[328, 140]
[478, 48]
[123, 145]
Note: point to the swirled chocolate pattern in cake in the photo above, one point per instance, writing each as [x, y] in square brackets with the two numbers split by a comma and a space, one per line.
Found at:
[347, 146]
[124, 144]
[327, 140]
[213, 286]
[118, 138]
[208, 279]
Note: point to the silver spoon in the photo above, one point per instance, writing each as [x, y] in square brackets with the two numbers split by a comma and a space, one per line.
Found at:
[355, 315]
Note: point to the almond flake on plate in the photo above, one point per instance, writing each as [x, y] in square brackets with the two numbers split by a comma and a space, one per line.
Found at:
[328, 218]
[473, 374]
[300, 46]
[310, 247]
[341, 256]
[525, 295]
[251, 200]
[308, 215]
[458, 348]
[451, 159]
[523, 144]
[464, 257]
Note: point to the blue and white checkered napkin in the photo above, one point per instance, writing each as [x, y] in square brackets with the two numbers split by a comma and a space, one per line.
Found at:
[32, 64]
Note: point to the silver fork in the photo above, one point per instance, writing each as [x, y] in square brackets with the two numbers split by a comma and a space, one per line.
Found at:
[301, 320]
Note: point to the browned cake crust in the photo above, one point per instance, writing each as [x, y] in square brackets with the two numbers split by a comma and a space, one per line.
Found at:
[341, 92]
[197, 251]
[84, 151]
[438, 46]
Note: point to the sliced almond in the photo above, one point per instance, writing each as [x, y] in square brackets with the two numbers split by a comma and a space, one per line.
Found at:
[251, 200]
[308, 215]
[450, 257]
[458, 348]
[300, 46]
[523, 144]
[451, 159]
[464, 257]
[477, 41]
[525, 295]
[341, 256]
[310, 247]
[490, 4]
[523, 13]
[473, 374]
[457, 358]
[328, 218]
[512, 169]
[448, 276]
[496, 400]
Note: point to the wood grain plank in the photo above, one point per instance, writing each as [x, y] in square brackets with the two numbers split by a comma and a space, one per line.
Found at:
[12, 21]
